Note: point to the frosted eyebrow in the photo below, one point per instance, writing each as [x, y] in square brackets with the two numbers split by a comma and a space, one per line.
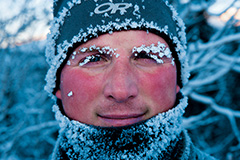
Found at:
[101, 50]
[160, 50]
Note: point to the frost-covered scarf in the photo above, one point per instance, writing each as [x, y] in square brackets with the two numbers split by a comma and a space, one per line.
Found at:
[154, 138]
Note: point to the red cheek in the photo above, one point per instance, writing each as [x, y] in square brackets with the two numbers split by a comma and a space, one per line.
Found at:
[161, 85]
[84, 87]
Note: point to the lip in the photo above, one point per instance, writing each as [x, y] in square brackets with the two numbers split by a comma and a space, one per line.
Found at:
[117, 120]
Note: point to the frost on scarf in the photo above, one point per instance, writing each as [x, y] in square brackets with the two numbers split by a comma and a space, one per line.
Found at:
[151, 139]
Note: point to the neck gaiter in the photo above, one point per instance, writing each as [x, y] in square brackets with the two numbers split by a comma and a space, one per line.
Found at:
[154, 138]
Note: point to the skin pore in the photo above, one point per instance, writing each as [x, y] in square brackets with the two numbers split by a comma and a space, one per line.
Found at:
[109, 90]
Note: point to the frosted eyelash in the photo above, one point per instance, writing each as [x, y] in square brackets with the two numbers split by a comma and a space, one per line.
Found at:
[86, 60]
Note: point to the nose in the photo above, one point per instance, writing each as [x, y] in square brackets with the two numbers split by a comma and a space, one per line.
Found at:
[121, 84]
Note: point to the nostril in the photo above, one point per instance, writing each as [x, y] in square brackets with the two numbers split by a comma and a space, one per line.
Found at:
[111, 97]
[131, 97]
[120, 97]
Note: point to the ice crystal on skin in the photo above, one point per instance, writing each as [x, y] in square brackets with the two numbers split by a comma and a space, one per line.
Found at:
[70, 94]
[91, 48]
[160, 49]
[83, 49]
[68, 63]
[150, 139]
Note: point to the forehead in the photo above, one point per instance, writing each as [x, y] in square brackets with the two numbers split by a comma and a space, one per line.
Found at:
[125, 39]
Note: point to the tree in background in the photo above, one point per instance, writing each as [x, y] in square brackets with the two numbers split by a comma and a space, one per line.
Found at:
[213, 115]
[23, 21]
[28, 128]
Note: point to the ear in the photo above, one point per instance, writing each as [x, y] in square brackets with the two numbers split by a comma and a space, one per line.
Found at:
[58, 94]
[177, 88]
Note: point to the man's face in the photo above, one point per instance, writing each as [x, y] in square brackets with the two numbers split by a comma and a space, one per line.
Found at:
[119, 87]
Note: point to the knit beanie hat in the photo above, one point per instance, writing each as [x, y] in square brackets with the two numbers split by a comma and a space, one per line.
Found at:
[77, 21]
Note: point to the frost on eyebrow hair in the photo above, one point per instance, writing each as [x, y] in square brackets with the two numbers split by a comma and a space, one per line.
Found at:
[102, 50]
[68, 63]
[159, 49]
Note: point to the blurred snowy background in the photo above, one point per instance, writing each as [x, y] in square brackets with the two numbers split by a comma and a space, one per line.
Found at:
[27, 126]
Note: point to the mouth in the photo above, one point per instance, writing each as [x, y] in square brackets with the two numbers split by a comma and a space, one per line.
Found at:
[119, 120]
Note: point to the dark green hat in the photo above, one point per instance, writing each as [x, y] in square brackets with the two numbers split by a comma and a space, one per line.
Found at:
[77, 21]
